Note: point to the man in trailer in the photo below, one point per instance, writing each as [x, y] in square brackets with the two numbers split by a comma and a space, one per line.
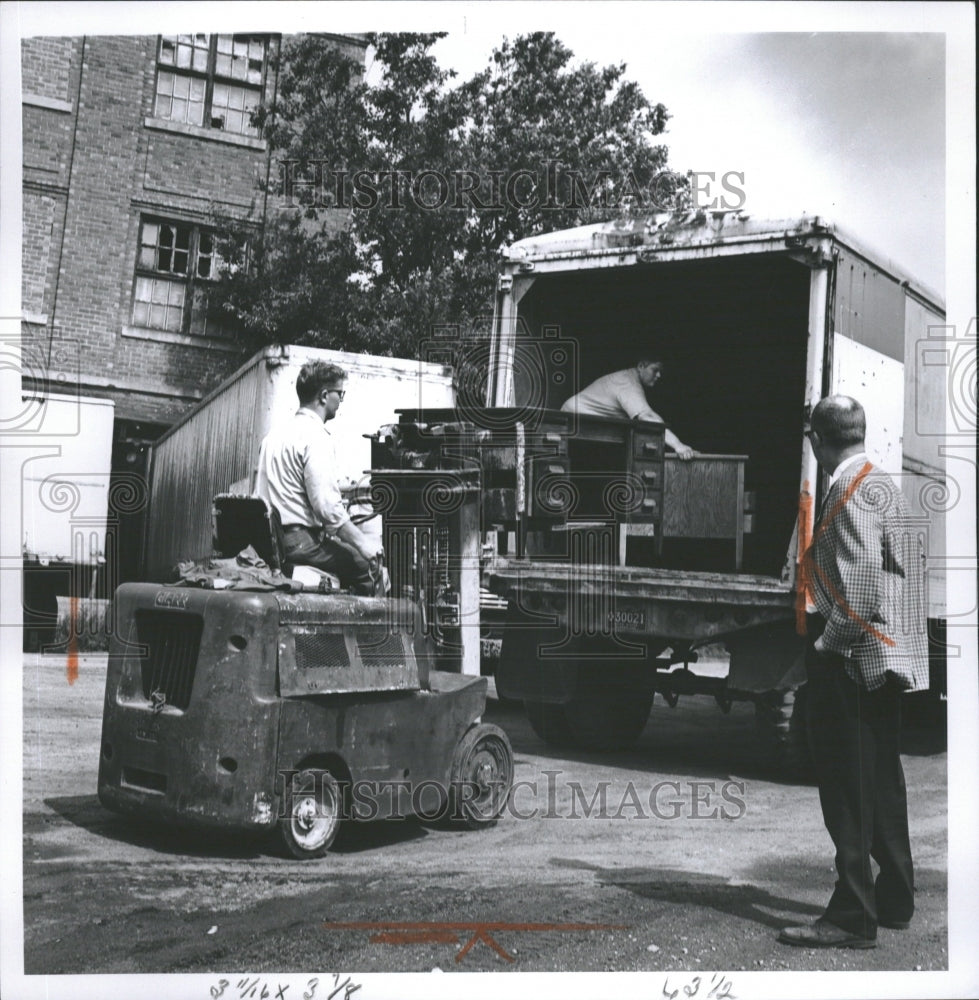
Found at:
[623, 395]
[867, 644]
[298, 476]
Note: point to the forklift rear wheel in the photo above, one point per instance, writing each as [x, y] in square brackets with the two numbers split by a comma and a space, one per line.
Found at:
[312, 814]
[482, 776]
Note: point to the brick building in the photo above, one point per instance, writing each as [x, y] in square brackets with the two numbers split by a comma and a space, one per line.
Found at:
[135, 151]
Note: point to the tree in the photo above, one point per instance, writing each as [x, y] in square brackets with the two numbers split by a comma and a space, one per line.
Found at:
[431, 179]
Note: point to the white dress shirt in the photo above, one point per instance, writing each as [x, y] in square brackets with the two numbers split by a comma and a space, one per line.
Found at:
[297, 473]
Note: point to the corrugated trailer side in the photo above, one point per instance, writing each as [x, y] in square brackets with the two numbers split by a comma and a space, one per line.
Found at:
[216, 445]
[888, 349]
[929, 484]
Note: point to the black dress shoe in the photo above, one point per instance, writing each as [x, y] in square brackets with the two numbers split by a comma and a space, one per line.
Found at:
[894, 925]
[822, 934]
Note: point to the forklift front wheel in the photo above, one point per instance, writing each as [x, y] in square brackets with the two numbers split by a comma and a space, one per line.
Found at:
[482, 776]
[312, 814]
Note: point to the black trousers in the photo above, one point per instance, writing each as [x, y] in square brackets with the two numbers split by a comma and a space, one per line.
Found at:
[854, 738]
[305, 547]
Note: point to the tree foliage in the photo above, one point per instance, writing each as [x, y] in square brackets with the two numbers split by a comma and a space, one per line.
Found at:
[533, 143]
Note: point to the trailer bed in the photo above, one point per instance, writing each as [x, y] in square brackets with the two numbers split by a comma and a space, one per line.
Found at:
[688, 605]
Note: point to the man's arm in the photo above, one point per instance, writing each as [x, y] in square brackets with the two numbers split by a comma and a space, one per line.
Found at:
[323, 491]
[633, 401]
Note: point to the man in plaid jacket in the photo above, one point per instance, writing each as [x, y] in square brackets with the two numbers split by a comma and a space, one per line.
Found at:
[867, 644]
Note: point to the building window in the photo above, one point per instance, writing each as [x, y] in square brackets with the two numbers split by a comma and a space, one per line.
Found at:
[214, 81]
[176, 261]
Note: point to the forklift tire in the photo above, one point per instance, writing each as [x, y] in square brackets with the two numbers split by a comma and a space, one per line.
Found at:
[780, 719]
[481, 776]
[313, 810]
[606, 718]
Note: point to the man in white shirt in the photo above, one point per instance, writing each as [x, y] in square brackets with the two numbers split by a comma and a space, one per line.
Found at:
[298, 476]
[623, 395]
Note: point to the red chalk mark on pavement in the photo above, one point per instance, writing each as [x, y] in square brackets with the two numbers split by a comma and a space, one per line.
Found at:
[424, 932]
[72, 665]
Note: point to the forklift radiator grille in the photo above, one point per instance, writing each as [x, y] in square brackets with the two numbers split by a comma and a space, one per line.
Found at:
[321, 649]
[379, 648]
[173, 640]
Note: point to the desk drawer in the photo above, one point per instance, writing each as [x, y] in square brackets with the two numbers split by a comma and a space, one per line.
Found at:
[650, 508]
[648, 446]
[650, 474]
[547, 489]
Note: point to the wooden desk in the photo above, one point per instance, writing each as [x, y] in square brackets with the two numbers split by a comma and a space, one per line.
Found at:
[704, 498]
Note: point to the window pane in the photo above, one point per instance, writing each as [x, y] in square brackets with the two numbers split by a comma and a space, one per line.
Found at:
[147, 257]
[196, 89]
[140, 313]
[195, 113]
[163, 107]
[225, 43]
[185, 39]
[160, 292]
[222, 65]
[174, 320]
[181, 86]
[158, 317]
[236, 98]
[254, 70]
[183, 56]
[151, 233]
[219, 98]
[200, 60]
[143, 289]
[176, 294]
[180, 261]
[168, 50]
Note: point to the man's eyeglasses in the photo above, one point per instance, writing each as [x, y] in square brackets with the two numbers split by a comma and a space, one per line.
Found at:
[340, 392]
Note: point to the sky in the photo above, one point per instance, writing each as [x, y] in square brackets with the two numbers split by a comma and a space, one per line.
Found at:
[842, 125]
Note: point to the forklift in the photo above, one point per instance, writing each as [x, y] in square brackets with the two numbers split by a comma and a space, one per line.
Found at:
[257, 706]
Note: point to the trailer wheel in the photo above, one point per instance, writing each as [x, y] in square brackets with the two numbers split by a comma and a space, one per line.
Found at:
[780, 719]
[481, 776]
[606, 718]
[548, 722]
[313, 810]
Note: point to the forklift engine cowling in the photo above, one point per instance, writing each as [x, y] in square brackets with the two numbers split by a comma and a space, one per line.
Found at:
[215, 700]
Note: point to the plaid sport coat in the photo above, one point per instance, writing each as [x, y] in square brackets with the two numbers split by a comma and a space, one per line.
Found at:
[865, 572]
